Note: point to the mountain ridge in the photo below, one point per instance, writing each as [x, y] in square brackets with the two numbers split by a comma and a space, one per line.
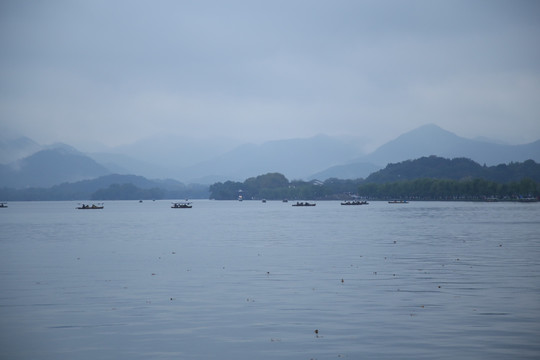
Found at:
[319, 157]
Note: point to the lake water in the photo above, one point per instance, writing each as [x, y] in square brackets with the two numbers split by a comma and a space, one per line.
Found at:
[248, 280]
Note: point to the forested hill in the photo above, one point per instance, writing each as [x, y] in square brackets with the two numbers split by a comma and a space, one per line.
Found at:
[434, 167]
[425, 178]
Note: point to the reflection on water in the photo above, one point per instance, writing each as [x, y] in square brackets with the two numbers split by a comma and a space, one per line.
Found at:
[252, 280]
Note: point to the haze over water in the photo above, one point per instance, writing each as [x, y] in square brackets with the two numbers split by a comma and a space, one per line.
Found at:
[247, 280]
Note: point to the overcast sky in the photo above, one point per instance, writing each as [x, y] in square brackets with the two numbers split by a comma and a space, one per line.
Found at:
[117, 71]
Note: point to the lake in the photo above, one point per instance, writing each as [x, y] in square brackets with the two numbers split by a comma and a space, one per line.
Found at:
[253, 280]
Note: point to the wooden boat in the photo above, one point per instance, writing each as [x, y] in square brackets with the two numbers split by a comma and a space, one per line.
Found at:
[90, 207]
[356, 202]
[303, 204]
[182, 205]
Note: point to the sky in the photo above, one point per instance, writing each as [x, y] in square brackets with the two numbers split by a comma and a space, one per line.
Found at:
[114, 72]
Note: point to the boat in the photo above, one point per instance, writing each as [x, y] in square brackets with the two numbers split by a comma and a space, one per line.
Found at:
[90, 207]
[285, 200]
[181, 205]
[398, 202]
[264, 200]
[303, 204]
[3, 205]
[528, 199]
[356, 202]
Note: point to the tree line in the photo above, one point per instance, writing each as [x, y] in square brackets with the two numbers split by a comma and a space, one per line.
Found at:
[275, 186]
[445, 189]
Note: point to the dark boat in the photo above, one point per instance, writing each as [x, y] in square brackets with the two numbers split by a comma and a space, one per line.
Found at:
[3, 205]
[303, 204]
[182, 205]
[398, 202]
[90, 207]
[356, 202]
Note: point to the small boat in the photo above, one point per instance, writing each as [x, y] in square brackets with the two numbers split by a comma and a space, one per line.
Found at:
[285, 200]
[3, 205]
[356, 202]
[91, 207]
[303, 204]
[398, 202]
[182, 205]
[528, 199]
[264, 200]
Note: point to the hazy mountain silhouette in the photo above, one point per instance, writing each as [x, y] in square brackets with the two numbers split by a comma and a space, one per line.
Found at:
[50, 167]
[165, 155]
[13, 149]
[125, 165]
[296, 158]
[319, 157]
[432, 140]
[354, 170]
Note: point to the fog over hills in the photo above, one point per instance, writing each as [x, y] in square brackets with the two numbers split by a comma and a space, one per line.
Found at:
[50, 167]
[15, 148]
[295, 158]
[319, 157]
[432, 140]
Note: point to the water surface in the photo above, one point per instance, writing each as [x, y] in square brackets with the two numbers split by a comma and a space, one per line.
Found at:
[253, 280]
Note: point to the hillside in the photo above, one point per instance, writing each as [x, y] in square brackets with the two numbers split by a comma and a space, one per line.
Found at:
[50, 167]
[434, 167]
[109, 187]
[432, 140]
[13, 149]
[296, 158]
[356, 170]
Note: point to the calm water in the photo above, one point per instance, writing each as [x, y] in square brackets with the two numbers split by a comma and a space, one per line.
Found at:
[247, 280]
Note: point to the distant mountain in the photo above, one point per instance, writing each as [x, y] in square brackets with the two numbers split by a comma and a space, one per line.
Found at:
[13, 149]
[165, 155]
[50, 167]
[356, 170]
[84, 189]
[432, 140]
[296, 158]
[109, 187]
[124, 164]
[434, 167]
